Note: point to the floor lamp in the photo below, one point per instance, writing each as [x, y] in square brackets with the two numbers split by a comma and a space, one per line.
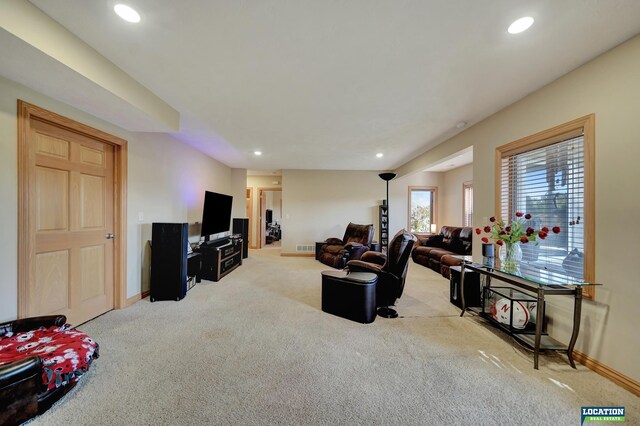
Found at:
[387, 177]
[386, 311]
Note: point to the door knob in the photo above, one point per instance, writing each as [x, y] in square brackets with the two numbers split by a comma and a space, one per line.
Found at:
[110, 236]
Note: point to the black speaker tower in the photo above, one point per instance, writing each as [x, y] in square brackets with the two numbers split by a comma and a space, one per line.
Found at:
[241, 226]
[169, 261]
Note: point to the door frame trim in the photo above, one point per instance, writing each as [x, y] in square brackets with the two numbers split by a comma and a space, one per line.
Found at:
[26, 233]
[263, 225]
[251, 242]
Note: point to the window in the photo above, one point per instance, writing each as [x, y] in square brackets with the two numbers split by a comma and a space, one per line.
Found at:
[550, 176]
[422, 209]
[467, 204]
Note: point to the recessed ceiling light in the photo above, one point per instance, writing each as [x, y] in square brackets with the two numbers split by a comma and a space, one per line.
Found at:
[461, 124]
[379, 155]
[127, 13]
[257, 152]
[520, 25]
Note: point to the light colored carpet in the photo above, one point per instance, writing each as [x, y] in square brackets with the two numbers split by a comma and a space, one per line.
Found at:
[255, 348]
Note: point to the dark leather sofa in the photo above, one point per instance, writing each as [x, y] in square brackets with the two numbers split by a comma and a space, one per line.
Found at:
[436, 251]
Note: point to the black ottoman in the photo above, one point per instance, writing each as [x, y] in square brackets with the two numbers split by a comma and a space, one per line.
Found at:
[351, 296]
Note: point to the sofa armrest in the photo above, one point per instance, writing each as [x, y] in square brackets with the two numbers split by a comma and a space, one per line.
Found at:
[26, 324]
[15, 372]
[422, 239]
[430, 240]
[333, 241]
[374, 257]
[362, 266]
[20, 385]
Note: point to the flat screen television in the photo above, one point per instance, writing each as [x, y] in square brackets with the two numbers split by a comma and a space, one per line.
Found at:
[216, 213]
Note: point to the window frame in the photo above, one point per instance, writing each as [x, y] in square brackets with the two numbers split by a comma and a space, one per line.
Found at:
[434, 213]
[585, 127]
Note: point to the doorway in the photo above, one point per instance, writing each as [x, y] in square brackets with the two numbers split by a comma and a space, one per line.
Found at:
[249, 215]
[270, 217]
[71, 226]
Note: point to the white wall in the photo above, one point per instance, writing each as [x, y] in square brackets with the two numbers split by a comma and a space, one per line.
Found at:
[609, 87]
[452, 195]
[9, 204]
[174, 195]
[399, 198]
[274, 203]
[166, 182]
[239, 192]
[318, 204]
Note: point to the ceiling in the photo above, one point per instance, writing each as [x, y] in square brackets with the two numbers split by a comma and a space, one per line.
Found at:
[321, 84]
[453, 161]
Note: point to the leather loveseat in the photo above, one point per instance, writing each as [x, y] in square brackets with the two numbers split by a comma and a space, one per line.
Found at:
[436, 251]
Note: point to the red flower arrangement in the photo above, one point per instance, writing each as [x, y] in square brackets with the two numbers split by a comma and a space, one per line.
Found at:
[516, 231]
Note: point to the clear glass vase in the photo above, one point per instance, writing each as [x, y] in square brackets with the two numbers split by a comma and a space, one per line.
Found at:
[510, 255]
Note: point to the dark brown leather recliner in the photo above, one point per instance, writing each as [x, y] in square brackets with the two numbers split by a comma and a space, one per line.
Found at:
[356, 241]
[391, 270]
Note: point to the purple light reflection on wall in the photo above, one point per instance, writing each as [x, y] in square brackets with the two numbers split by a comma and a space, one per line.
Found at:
[191, 197]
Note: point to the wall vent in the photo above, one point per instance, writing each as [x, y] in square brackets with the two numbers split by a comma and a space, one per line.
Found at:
[304, 248]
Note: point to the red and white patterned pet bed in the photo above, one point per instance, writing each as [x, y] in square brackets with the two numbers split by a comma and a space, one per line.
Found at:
[66, 353]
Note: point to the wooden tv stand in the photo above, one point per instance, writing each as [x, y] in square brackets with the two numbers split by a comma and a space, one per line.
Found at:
[219, 257]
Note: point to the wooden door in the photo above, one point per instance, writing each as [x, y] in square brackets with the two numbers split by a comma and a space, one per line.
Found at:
[72, 193]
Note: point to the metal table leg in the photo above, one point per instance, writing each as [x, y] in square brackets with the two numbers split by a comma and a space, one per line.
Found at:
[539, 323]
[464, 306]
[577, 308]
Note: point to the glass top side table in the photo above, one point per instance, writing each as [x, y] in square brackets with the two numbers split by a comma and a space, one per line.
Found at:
[539, 281]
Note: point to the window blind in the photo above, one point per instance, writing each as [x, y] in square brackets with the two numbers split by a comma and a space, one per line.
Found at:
[548, 183]
[467, 219]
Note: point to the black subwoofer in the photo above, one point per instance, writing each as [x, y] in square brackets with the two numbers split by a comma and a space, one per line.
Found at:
[168, 261]
[471, 288]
